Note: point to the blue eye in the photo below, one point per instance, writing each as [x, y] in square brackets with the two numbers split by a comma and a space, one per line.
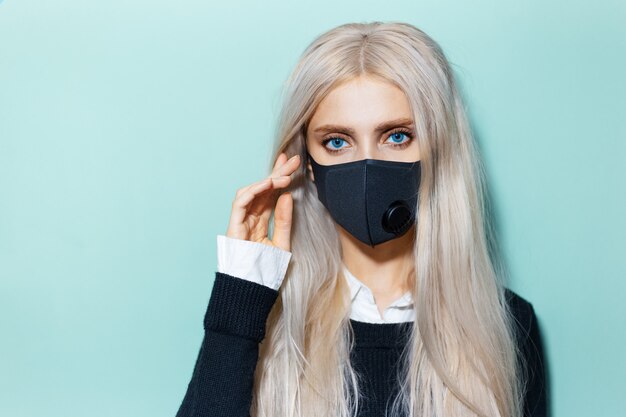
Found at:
[397, 136]
[335, 142]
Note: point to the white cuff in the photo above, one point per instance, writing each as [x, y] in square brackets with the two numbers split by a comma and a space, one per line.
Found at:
[253, 261]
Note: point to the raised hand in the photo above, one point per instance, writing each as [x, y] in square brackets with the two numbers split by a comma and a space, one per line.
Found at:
[253, 205]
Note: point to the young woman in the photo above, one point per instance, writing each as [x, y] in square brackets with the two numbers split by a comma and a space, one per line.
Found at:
[377, 292]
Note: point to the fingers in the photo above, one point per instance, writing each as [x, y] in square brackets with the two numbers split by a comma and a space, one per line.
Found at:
[277, 182]
[282, 222]
[262, 207]
[249, 211]
[244, 197]
[280, 174]
[287, 167]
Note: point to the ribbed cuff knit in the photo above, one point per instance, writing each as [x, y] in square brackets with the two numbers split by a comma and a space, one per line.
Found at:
[239, 307]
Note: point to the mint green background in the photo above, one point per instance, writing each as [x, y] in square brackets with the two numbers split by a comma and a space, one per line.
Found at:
[126, 128]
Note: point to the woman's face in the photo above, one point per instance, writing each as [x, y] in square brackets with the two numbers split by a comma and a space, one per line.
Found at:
[365, 117]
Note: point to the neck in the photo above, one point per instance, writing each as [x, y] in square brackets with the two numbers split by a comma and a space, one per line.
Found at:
[385, 268]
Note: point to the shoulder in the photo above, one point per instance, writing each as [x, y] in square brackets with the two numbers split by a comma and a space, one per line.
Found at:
[523, 313]
[531, 354]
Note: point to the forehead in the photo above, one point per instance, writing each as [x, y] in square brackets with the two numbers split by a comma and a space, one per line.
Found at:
[362, 101]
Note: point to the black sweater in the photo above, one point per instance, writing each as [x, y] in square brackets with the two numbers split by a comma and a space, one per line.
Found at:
[234, 324]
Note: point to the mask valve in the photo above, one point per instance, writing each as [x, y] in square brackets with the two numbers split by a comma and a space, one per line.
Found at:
[397, 217]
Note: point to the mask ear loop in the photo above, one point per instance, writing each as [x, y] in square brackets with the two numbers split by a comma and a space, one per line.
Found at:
[307, 157]
[308, 164]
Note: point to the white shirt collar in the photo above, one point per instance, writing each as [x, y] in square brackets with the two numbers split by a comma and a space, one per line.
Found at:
[364, 305]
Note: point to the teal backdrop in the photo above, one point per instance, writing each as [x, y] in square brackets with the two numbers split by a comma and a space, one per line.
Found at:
[127, 126]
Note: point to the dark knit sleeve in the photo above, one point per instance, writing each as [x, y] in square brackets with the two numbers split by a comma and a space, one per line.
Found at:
[234, 325]
[532, 356]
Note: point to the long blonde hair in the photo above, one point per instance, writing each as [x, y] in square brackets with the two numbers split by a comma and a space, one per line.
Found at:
[461, 355]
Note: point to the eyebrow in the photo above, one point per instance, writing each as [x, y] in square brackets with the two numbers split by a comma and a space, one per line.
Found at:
[380, 128]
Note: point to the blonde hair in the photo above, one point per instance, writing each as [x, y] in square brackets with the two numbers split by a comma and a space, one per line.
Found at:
[461, 356]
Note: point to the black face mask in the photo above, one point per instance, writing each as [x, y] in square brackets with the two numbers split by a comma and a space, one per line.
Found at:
[373, 199]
